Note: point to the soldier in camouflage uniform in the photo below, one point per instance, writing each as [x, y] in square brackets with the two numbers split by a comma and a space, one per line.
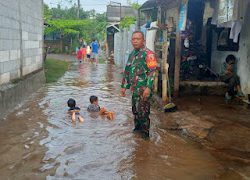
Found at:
[139, 78]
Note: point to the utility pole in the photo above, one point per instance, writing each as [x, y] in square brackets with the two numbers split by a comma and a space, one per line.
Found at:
[78, 9]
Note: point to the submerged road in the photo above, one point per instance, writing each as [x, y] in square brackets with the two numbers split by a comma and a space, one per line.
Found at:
[39, 141]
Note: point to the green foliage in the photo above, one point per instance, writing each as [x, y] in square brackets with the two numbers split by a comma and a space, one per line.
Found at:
[65, 22]
[65, 27]
[69, 13]
[54, 69]
[47, 12]
[136, 5]
[127, 21]
[86, 28]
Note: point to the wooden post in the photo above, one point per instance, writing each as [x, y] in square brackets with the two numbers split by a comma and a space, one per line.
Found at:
[61, 45]
[156, 82]
[177, 58]
[164, 66]
[177, 64]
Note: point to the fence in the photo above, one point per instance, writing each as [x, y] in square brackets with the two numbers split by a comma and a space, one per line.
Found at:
[123, 46]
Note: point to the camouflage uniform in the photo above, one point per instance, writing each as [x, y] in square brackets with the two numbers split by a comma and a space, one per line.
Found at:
[138, 75]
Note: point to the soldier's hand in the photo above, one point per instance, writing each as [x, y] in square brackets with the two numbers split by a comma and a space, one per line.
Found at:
[146, 93]
[122, 91]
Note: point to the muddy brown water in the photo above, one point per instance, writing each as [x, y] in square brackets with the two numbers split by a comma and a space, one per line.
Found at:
[39, 141]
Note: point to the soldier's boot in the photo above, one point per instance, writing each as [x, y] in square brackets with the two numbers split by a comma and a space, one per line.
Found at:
[145, 129]
[137, 128]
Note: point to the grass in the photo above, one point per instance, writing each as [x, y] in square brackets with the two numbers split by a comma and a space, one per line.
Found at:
[54, 69]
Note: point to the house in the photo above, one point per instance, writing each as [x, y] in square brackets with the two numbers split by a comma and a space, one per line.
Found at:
[55, 41]
[115, 13]
[199, 36]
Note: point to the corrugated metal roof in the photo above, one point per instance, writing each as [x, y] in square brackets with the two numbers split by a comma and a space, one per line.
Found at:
[154, 3]
[148, 4]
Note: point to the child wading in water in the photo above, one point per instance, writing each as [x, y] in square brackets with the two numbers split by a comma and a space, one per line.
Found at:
[88, 51]
[84, 53]
[80, 54]
[74, 110]
[94, 107]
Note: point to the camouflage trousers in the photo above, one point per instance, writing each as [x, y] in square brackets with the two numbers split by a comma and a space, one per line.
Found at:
[141, 111]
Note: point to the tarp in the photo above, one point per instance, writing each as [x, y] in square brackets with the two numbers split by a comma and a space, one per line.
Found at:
[183, 16]
[151, 35]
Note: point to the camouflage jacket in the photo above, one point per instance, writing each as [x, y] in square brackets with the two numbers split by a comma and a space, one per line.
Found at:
[140, 70]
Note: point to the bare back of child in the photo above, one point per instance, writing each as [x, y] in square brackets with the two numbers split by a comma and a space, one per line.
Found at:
[74, 111]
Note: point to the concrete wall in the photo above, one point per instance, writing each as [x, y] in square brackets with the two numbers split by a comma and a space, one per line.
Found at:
[14, 93]
[243, 55]
[21, 38]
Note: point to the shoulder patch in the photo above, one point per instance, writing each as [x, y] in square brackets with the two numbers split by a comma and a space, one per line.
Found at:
[151, 60]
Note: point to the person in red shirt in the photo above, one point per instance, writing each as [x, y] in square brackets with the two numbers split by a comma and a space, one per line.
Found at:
[79, 54]
[84, 53]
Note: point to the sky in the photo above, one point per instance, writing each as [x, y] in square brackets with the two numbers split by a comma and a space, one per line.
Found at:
[98, 5]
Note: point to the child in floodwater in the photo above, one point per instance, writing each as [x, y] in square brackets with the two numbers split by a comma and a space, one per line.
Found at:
[84, 53]
[94, 107]
[79, 55]
[74, 110]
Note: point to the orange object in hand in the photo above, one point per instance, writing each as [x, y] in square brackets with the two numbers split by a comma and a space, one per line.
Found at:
[103, 111]
[110, 115]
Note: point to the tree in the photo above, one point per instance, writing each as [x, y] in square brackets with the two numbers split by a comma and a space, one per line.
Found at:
[47, 12]
[127, 21]
[134, 5]
[66, 23]
[69, 13]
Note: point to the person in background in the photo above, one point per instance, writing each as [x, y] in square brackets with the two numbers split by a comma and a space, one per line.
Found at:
[79, 54]
[76, 50]
[229, 76]
[94, 48]
[81, 42]
[88, 53]
[84, 53]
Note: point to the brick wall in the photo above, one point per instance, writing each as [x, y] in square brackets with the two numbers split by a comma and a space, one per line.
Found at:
[21, 38]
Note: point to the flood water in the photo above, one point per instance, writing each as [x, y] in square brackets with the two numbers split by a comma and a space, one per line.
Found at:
[39, 141]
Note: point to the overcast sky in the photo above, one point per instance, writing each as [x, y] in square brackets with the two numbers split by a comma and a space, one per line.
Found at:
[98, 5]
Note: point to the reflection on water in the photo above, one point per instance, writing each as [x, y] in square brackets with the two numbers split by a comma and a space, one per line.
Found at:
[100, 148]
[96, 147]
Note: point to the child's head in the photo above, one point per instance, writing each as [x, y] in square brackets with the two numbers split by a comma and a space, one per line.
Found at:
[230, 59]
[93, 99]
[71, 103]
